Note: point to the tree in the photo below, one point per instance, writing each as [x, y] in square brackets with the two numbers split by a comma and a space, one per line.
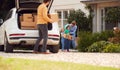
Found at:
[113, 15]
[82, 20]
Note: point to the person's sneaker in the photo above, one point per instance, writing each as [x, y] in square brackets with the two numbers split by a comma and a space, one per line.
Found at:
[65, 51]
[68, 51]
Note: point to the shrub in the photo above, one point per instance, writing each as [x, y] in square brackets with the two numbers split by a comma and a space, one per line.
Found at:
[110, 48]
[85, 41]
[88, 38]
[98, 46]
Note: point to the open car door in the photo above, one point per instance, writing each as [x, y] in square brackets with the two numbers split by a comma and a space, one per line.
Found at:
[30, 4]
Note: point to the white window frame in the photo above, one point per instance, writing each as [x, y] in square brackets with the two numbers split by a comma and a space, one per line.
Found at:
[62, 19]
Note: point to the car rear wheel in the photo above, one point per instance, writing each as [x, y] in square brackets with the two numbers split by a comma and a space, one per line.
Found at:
[7, 47]
[54, 49]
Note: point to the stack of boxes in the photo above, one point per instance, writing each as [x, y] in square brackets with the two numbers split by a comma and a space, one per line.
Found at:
[28, 21]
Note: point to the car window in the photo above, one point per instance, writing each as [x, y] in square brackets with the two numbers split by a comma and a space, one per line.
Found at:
[9, 15]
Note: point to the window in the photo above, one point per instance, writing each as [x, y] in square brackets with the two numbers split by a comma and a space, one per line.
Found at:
[108, 24]
[63, 15]
[59, 14]
[102, 19]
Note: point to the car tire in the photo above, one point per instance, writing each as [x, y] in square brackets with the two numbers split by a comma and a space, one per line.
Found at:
[1, 48]
[54, 49]
[7, 47]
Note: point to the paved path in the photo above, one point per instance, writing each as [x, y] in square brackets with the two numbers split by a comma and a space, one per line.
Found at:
[101, 59]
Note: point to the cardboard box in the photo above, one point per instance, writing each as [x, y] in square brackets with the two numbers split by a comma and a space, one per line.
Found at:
[28, 17]
[28, 24]
[69, 37]
[54, 17]
[21, 18]
[28, 28]
[35, 18]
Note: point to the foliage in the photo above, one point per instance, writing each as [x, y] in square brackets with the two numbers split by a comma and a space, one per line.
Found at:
[85, 40]
[110, 48]
[88, 38]
[98, 46]
[104, 46]
[83, 22]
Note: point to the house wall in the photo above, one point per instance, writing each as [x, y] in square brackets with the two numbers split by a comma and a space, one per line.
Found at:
[97, 21]
[68, 4]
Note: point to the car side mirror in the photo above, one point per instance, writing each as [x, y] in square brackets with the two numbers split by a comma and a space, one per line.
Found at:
[1, 22]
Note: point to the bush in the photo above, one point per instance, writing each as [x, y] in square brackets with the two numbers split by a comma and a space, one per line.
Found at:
[98, 46]
[110, 48]
[104, 46]
[85, 41]
[88, 38]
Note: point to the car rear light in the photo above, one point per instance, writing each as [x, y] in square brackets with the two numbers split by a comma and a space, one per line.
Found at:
[21, 34]
[53, 35]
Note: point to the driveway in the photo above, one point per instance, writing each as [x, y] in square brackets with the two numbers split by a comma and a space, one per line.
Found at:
[100, 59]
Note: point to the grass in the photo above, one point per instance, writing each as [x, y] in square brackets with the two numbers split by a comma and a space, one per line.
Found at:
[25, 64]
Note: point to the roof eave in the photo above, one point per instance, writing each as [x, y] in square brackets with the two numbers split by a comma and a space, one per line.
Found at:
[95, 2]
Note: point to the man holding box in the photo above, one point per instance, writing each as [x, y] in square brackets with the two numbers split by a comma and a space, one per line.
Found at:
[42, 20]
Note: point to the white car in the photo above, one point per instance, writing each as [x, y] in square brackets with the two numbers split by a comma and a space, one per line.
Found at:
[17, 30]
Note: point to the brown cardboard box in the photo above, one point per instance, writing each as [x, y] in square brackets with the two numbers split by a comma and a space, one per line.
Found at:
[54, 17]
[28, 24]
[69, 37]
[28, 17]
[21, 18]
[35, 18]
[28, 28]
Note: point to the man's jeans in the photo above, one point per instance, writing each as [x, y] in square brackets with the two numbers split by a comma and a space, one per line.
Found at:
[43, 34]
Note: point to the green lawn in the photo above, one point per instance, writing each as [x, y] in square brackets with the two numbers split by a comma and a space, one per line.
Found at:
[24, 64]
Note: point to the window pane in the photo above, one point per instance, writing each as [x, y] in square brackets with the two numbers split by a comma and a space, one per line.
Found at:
[65, 14]
[59, 14]
[65, 22]
[59, 23]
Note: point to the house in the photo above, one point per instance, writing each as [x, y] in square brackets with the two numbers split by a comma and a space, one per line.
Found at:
[100, 8]
[63, 8]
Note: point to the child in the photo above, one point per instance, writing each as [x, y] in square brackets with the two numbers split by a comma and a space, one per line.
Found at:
[66, 40]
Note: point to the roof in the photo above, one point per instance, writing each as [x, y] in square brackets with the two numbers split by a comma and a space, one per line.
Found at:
[97, 1]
